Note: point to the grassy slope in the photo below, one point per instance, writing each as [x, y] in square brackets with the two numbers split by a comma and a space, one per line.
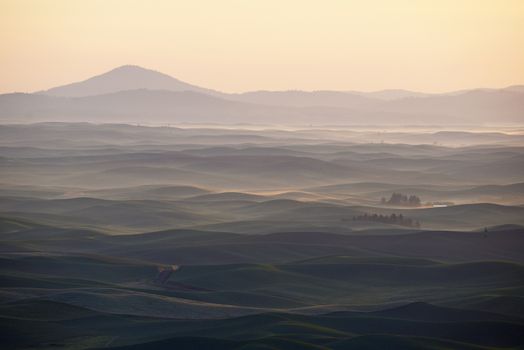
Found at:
[66, 328]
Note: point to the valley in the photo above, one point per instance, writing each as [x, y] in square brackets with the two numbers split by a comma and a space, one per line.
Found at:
[139, 237]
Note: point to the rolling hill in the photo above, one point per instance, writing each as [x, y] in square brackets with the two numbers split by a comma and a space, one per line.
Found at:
[118, 236]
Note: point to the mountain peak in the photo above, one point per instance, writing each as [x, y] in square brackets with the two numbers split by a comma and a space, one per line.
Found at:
[127, 77]
[132, 68]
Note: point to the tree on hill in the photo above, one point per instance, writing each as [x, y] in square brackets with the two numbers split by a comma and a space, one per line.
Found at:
[388, 219]
[402, 200]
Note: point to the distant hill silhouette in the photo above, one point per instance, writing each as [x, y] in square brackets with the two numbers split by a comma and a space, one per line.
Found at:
[123, 78]
[135, 94]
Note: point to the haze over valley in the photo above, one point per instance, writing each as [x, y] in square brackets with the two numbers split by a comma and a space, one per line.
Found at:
[164, 231]
[265, 175]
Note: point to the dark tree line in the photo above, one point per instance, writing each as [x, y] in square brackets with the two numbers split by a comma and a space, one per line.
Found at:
[402, 200]
[388, 219]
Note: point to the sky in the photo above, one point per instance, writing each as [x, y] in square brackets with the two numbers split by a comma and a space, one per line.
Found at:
[242, 45]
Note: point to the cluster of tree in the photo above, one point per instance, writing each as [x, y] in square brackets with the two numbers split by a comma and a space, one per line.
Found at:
[402, 200]
[388, 219]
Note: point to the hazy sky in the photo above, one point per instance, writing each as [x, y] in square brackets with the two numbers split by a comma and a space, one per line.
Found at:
[244, 45]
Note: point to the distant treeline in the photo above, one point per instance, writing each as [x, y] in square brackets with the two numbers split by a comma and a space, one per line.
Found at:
[402, 200]
[388, 219]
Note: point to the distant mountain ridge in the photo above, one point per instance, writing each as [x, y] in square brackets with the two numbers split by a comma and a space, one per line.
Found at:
[135, 94]
[133, 77]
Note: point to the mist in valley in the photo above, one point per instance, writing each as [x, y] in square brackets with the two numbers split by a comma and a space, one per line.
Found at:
[141, 211]
[183, 227]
